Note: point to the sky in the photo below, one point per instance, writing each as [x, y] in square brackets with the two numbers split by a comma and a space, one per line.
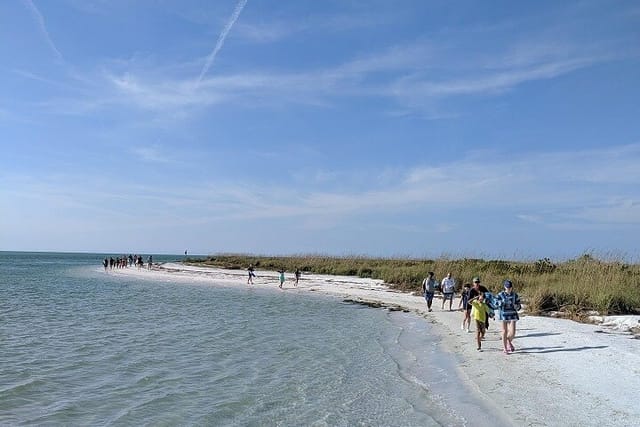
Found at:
[495, 130]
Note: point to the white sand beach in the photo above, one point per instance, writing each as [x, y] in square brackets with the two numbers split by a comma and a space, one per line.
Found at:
[563, 373]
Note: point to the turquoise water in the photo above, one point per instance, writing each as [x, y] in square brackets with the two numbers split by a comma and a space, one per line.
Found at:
[81, 347]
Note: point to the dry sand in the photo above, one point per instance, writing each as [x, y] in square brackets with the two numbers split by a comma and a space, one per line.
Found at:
[563, 373]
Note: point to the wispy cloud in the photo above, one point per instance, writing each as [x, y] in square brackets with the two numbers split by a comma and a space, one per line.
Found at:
[549, 189]
[265, 32]
[223, 35]
[416, 77]
[546, 186]
[489, 83]
[43, 28]
[279, 29]
[151, 154]
[401, 73]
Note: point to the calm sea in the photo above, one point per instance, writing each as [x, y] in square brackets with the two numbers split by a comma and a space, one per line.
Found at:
[82, 347]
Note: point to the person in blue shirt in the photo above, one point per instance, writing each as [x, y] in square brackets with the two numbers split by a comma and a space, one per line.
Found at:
[508, 303]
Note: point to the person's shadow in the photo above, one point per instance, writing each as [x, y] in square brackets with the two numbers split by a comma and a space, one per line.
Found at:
[540, 350]
[540, 334]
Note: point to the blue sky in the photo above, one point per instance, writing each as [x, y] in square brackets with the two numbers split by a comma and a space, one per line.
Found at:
[413, 128]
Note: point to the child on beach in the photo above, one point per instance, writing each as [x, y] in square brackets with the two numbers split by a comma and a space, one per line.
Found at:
[429, 289]
[479, 313]
[508, 303]
[281, 278]
[465, 295]
[476, 290]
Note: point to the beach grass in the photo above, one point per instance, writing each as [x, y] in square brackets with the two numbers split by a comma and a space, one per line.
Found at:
[575, 287]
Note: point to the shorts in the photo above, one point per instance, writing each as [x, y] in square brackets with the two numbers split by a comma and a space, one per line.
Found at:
[508, 316]
[447, 296]
[480, 326]
[428, 296]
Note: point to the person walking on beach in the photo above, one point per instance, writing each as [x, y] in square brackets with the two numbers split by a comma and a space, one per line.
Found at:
[150, 262]
[479, 313]
[281, 278]
[298, 273]
[508, 303]
[105, 264]
[464, 304]
[448, 287]
[429, 289]
[251, 274]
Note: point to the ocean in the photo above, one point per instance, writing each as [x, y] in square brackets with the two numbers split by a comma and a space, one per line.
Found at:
[79, 346]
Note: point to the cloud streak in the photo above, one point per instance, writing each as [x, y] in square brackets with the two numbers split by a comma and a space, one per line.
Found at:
[400, 73]
[43, 28]
[223, 35]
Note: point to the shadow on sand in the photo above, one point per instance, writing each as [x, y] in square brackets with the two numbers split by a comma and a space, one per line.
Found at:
[538, 350]
[539, 334]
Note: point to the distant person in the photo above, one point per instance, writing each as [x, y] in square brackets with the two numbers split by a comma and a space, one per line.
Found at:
[281, 278]
[508, 303]
[448, 287]
[130, 260]
[298, 273]
[251, 274]
[105, 264]
[150, 262]
[429, 289]
[479, 313]
[465, 296]
[139, 262]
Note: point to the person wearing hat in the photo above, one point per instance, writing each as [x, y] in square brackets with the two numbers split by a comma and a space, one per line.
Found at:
[508, 303]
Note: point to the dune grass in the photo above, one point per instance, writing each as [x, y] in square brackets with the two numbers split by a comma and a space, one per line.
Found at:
[575, 287]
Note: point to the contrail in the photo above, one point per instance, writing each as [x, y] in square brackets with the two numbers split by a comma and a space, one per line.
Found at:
[43, 28]
[223, 35]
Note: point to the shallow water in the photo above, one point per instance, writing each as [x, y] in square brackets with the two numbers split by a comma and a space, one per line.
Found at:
[79, 346]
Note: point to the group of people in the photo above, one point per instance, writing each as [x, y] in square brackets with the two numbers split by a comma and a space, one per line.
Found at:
[479, 304]
[126, 261]
[252, 274]
[430, 285]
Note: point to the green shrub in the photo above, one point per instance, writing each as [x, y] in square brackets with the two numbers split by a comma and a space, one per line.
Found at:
[575, 286]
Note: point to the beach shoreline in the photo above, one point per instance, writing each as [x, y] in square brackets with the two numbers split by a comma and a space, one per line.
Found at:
[562, 373]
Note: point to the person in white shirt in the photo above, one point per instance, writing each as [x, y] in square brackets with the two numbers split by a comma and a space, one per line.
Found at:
[448, 287]
[429, 289]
